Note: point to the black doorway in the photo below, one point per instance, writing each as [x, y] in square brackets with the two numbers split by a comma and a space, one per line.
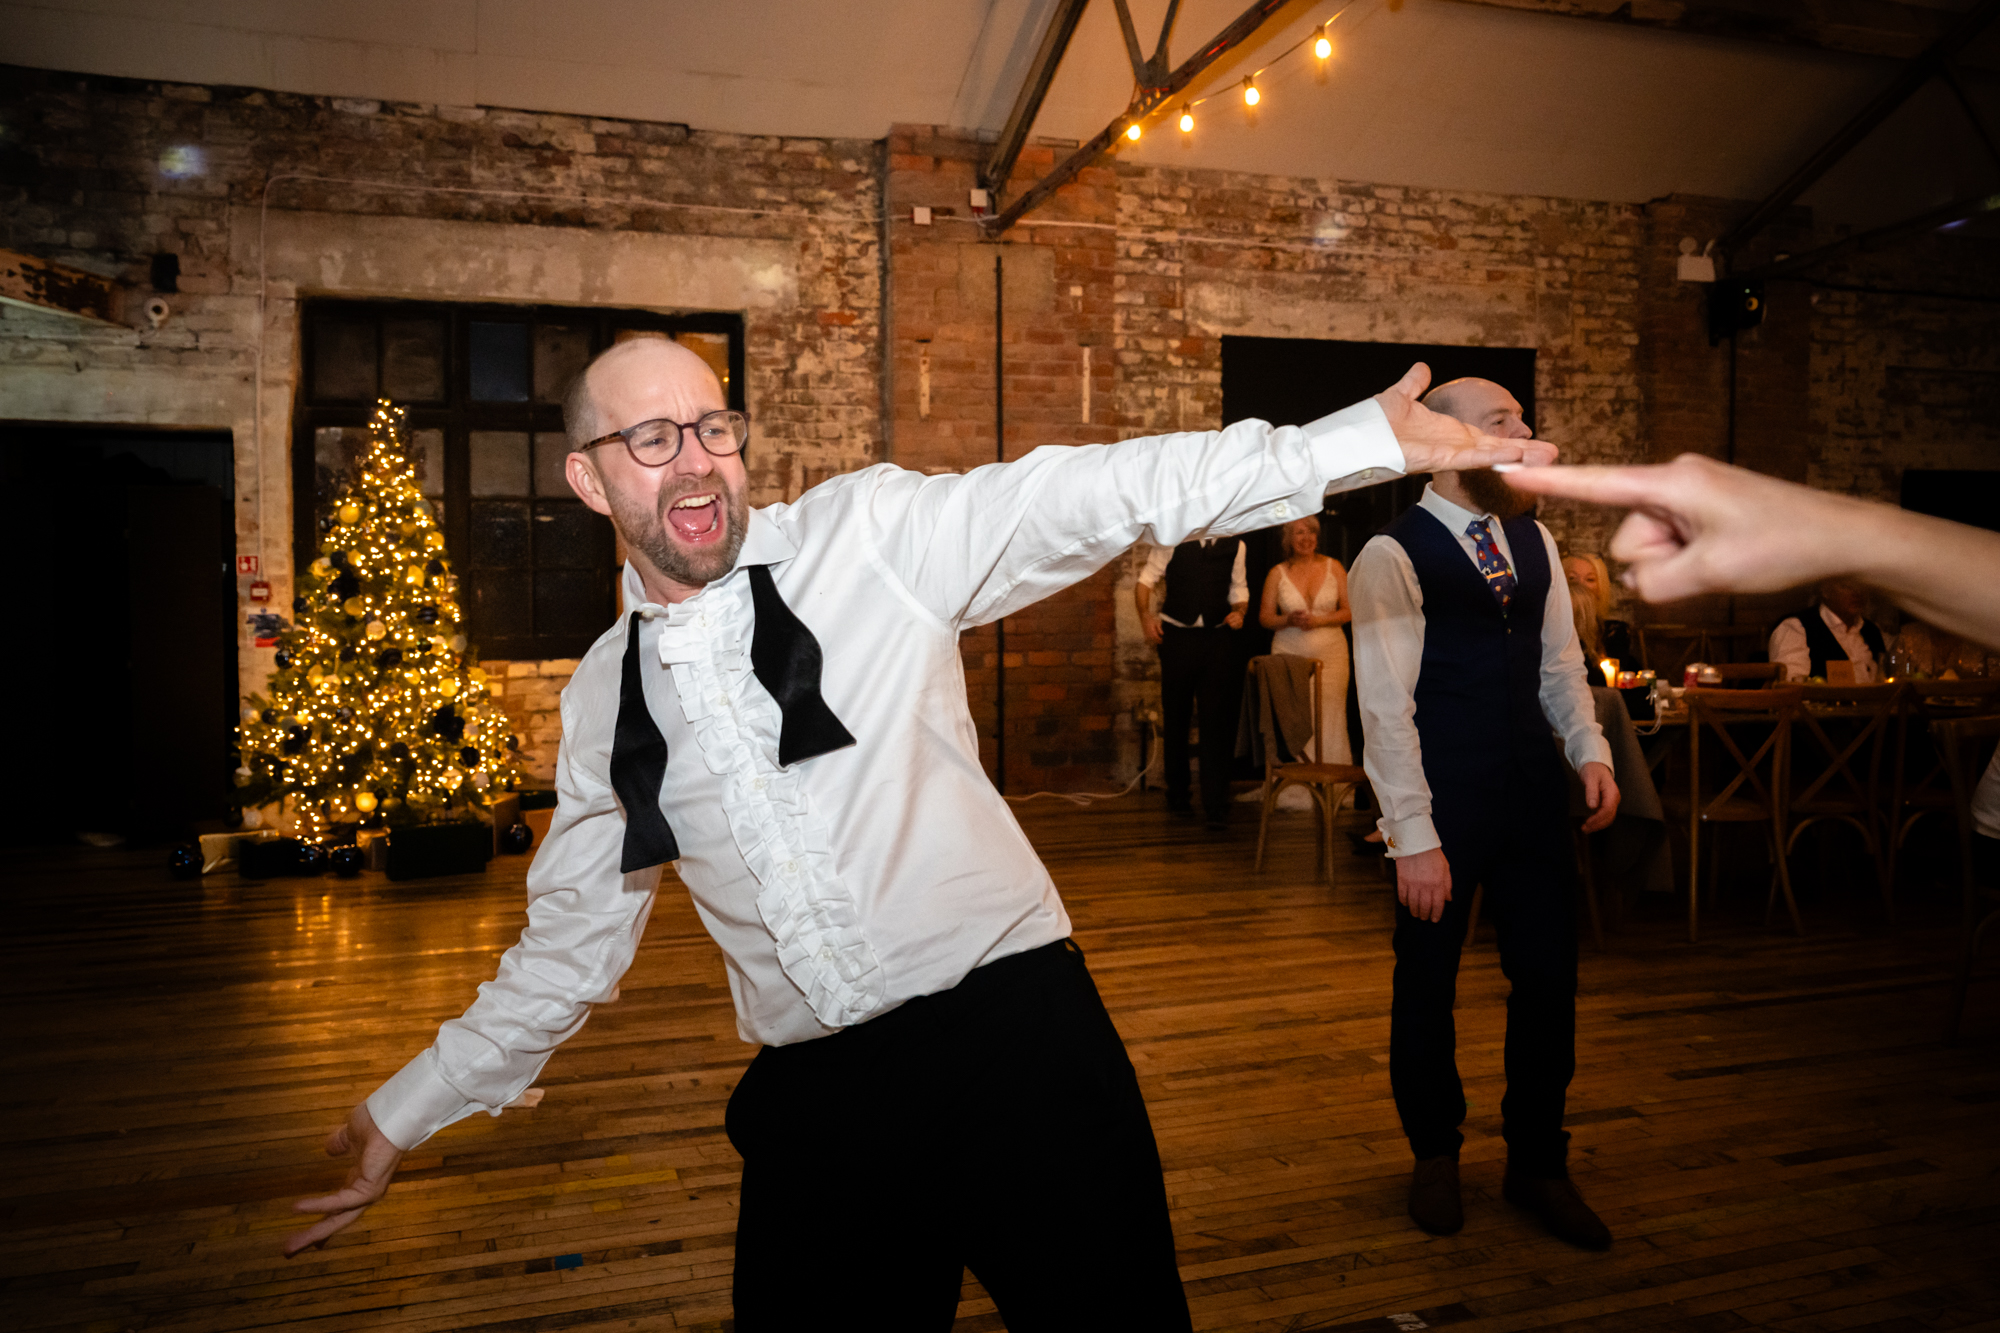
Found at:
[120, 541]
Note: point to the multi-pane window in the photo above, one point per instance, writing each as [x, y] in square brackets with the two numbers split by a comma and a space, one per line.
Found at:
[483, 386]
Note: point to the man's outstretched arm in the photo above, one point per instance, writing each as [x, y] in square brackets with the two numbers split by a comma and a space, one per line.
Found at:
[585, 918]
[976, 547]
[1699, 526]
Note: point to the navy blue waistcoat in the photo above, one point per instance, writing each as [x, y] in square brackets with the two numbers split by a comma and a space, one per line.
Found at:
[1479, 707]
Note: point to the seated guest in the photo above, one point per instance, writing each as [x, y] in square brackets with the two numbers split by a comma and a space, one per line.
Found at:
[1589, 629]
[1614, 637]
[1836, 630]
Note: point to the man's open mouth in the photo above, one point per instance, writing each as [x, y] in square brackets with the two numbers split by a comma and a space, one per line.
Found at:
[697, 518]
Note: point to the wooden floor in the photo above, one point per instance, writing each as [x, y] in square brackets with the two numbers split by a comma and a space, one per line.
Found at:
[1769, 1125]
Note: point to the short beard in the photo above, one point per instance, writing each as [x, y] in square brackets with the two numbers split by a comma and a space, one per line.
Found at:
[1491, 494]
[647, 533]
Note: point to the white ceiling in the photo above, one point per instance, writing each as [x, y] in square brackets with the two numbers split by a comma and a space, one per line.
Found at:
[1423, 92]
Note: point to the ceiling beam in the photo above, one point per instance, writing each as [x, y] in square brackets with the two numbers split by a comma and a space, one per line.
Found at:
[38, 284]
[1895, 29]
[1143, 105]
[1028, 103]
[1912, 76]
[1958, 210]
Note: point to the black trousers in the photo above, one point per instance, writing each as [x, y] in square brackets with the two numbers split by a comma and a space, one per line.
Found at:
[1199, 668]
[997, 1126]
[1509, 832]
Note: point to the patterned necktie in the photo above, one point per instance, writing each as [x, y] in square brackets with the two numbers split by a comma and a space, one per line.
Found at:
[1492, 564]
[786, 659]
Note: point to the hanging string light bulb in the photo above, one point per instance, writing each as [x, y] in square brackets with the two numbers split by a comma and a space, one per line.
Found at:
[1251, 97]
[1187, 119]
[1132, 131]
[1322, 44]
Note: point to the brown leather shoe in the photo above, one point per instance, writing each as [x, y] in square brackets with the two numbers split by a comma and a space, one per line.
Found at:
[1434, 1200]
[1558, 1207]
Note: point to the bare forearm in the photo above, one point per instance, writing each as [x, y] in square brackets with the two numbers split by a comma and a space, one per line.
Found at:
[1946, 574]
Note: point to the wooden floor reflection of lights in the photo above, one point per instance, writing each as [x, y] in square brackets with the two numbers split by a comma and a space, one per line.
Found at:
[1769, 1124]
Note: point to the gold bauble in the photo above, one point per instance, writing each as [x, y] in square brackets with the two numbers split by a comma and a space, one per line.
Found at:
[376, 629]
[448, 687]
[414, 576]
[350, 512]
[364, 801]
[433, 540]
[354, 606]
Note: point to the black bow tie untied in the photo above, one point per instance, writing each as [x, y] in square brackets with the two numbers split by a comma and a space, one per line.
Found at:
[787, 661]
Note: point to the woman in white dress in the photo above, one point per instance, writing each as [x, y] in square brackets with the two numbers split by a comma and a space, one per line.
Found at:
[1305, 601]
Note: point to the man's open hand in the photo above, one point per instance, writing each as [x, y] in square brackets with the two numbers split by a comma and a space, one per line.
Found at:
[375, 1162]
[1600, 793]
[1423, 883]
[1433, 442]
[1151, 625]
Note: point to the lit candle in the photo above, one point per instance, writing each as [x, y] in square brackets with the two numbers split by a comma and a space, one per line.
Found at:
[1609, 666]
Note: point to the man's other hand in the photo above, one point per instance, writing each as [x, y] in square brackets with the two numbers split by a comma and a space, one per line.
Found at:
[375, 1162]
[1151, 624]
[1433, 442]
[1423, 883]
[1600, 793]
[1234, 619]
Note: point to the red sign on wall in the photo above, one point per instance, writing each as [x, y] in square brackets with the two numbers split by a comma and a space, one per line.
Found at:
[248, 564]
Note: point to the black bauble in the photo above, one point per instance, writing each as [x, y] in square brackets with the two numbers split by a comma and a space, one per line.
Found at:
[434, 568]
[283, 659]
[516, 838]
[427, 614]
[301, 605]
[347, 653]
[389, 657]
[447, 723]
[184, 861]
[346, 862]
[269, 715]
[468, 757]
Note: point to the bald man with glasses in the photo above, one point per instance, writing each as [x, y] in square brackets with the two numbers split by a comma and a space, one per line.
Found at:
[782, 714]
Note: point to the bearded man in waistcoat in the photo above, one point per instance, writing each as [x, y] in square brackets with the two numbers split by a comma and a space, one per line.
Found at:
[1466, 661]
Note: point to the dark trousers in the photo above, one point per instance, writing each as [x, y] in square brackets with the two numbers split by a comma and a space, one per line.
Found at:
[1199, 668]
[997, 1126]
[1510, 833]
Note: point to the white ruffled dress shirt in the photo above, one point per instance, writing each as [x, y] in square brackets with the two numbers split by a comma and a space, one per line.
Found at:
[1389, 654]
[1790, 650]
[850, 883]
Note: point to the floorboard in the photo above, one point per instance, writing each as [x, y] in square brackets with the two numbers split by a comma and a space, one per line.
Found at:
[1769, 1124]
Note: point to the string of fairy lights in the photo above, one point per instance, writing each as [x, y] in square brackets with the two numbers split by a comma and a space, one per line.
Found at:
[1319, 42]
[372, 708]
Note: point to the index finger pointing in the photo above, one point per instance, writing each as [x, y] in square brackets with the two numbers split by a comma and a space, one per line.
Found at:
[1626, 486]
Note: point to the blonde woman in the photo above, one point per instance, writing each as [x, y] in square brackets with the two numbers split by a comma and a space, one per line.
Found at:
[1305, 601]
[1613, 638]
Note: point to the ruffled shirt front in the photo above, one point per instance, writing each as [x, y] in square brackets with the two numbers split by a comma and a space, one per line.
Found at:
[813, 918]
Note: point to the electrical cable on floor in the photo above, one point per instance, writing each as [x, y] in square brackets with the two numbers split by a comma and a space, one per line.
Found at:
[1089, 798]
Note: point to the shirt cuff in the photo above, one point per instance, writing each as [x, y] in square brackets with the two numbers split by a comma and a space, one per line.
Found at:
[1591, 750]
[416, 1103]
[1407, 837]
[1355, 447]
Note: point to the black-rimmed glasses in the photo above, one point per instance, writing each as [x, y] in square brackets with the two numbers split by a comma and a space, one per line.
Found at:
[658, 443]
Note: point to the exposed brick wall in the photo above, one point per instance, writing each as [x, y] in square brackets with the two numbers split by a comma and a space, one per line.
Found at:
[104, 173]
[1136, 272]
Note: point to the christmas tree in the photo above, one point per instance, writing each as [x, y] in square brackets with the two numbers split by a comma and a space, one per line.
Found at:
[372, 714]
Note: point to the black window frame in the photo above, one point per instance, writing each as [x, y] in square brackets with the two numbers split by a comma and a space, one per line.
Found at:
[456, 416]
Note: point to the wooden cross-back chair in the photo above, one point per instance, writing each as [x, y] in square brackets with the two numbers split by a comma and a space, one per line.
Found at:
[1750, 788]
[1922, 784]
[1839, 735]
[1328, 783]
[1968, 745]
